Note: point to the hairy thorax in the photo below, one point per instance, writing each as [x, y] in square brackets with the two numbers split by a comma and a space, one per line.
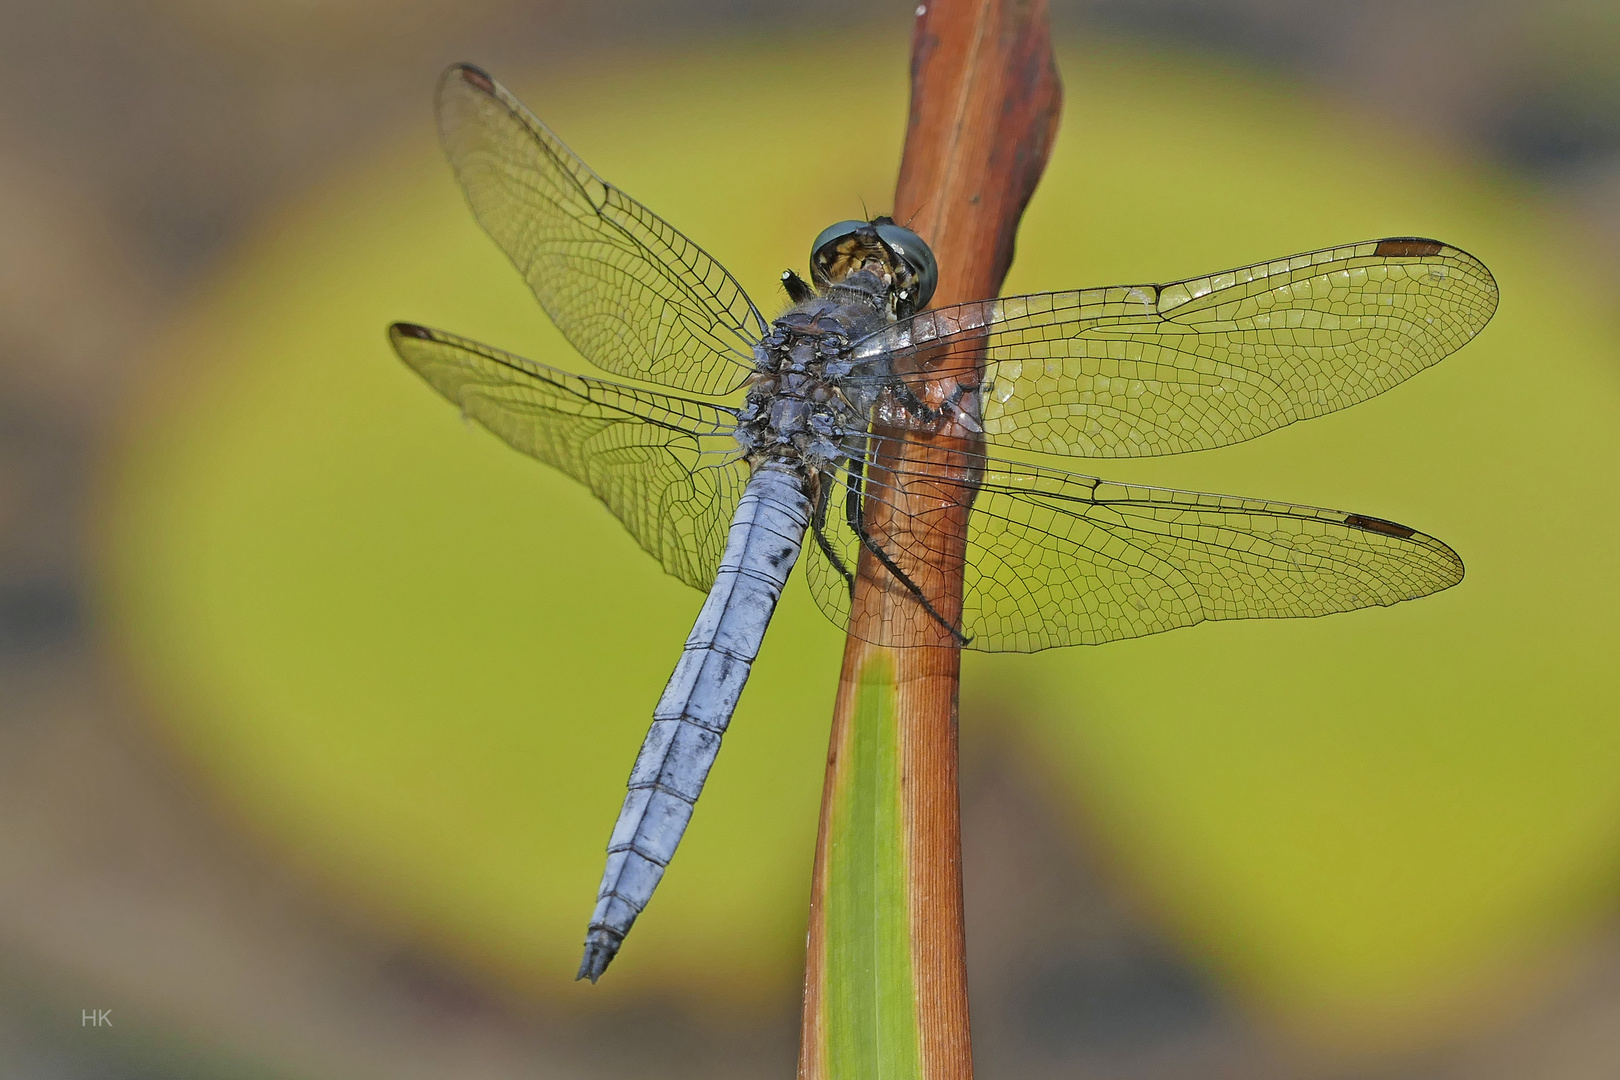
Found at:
[802, 405]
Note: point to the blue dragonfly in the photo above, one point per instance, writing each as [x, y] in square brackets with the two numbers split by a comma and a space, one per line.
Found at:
[741, 437]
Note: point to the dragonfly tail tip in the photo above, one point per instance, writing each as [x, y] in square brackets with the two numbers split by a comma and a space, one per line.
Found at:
[601, 947]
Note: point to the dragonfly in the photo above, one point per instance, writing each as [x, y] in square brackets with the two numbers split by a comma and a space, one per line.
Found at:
[738, 438]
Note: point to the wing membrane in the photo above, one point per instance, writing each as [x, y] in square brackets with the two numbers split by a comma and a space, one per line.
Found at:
[667, 467]
[1139, 370]
[633, 295]
[1057, 558]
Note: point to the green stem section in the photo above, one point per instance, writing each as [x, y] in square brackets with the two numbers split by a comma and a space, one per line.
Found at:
[871, 1012]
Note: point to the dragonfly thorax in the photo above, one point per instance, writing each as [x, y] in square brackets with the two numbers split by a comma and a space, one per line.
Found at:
[796, 409]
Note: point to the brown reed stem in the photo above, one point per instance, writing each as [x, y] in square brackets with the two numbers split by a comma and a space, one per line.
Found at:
[985, 101]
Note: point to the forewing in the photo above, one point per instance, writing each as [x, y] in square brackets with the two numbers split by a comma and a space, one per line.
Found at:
[1056, 558]
[666, 466]
[1137, 370]
[631, 293]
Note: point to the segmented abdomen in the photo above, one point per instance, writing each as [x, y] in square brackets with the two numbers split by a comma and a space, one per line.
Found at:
[761, 548]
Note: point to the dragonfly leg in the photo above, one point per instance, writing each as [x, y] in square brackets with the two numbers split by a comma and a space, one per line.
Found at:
[853, 493]
[914, 404]
[950, 409]
[818, 526]
[857, 522]
[797, 289]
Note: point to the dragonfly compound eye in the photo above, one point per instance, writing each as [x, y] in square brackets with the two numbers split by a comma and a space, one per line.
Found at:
[917, 257]
[835, 245]
[822, 251]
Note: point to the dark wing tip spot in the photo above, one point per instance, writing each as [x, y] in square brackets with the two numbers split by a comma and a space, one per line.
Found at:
[1379, 525]
[477, 77]
[405, 329]
[1408, 245]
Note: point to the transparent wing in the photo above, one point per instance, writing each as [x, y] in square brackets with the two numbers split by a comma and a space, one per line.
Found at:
[667, 467]
[1056, 558]
[632, 294]
[1137, 370]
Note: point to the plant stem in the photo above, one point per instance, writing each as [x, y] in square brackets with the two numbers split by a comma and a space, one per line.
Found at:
[886, 975]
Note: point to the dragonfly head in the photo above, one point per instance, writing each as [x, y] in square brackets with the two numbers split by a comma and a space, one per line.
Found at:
[891, 251]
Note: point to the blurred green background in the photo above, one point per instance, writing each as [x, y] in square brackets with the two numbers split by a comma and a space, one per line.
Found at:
[360, 686]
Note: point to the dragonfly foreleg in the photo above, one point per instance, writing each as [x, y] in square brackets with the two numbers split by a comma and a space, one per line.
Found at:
[912, 403]
[798, 289]
[950, 409]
